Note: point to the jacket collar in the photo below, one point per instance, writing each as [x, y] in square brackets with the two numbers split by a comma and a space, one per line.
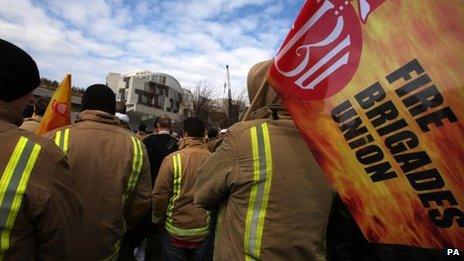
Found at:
[190, 142]
[97, 116]
[164, 132]
[9, 114]
[34, 117]
[273, 110]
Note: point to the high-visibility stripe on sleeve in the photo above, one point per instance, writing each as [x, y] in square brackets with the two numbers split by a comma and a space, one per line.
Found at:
[177, 179]
[58, 138]
[137, 162]
[66, 141]
[176, 188]
[13, 186]
[259, 193]
[62, 140]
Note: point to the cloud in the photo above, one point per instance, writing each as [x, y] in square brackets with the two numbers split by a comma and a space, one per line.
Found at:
[192, 40]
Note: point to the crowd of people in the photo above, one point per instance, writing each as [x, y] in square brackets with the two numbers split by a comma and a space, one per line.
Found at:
[94, 190]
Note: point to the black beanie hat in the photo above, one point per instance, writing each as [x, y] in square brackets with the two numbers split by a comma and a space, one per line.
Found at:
[99, 97]
[19, 74]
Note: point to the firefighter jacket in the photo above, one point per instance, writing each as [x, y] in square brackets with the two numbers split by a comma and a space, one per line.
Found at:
[31, 124]
[174, 189]
[112, 176]
[40, 213]
[274, 199]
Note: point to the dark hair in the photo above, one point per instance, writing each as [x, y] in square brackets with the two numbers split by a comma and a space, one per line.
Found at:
[99, 97]
[142, 127]
[212, 133]
[164, 121]
[194, 127]
[41, 105]
[29, 111]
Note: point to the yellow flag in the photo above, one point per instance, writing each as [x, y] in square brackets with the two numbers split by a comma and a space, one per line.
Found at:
[58, 113]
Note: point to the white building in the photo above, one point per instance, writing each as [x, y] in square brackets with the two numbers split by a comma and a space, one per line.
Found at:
[147, 95]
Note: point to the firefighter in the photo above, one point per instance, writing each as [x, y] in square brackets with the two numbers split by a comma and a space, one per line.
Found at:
[32, 124]
[112, 174]
[274, 199]
[40, 212]
[187, 225]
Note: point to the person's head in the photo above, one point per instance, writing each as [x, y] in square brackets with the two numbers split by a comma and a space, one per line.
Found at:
[123, 120]
[29, 111]
[99, 97]
[163, 123]
[142, 127]
[257, 78]
[222, 133]
[120, 107]
[212, 133]
[194, 127]
[19, 76]
[41, 106]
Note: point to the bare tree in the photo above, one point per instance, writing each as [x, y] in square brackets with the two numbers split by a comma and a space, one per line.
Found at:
[236, 106]
[199, 101]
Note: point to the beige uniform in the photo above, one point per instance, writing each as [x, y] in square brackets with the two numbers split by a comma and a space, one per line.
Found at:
[40, 213]
[112, 175]
[174, 190]
[274, 199]
[31, 124]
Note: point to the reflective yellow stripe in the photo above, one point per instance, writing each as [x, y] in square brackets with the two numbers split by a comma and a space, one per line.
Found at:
[176, 186]
[58, 139]
[62, 140]
[137, 162]
[186, 232]
[251, 203]
[66, 141]
[13, 186]
[259, 194]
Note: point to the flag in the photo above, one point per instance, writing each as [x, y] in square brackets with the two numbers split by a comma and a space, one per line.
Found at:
[58, 113]
[376, 89]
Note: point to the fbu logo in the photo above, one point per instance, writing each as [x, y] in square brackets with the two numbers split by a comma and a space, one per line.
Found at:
[322, 51]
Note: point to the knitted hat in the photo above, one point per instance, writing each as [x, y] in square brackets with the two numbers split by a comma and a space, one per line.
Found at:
[99, 97]
[18, 72]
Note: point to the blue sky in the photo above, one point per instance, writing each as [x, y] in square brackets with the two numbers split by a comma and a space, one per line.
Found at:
[192, 40]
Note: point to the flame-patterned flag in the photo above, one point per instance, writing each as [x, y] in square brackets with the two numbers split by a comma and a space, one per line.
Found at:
[377, 88]
[58, 113]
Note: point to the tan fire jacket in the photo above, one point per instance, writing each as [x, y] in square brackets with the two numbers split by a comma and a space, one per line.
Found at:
[112, 175]
[31, 124]
[174, 189]
[40, 213]
[274, 199]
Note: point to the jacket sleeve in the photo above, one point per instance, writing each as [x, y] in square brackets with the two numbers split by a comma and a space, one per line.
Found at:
[162, 189]
[141, 199]
[58, 222]
[216, 176]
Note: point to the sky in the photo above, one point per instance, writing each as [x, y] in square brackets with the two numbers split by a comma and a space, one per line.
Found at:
[191, 40]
